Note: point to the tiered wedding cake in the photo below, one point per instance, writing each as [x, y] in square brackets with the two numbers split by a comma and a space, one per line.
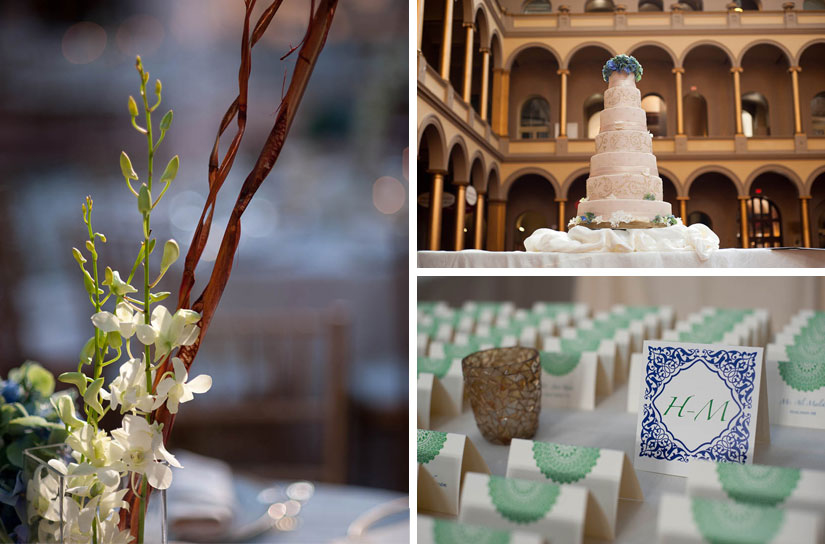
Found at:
[624, 189]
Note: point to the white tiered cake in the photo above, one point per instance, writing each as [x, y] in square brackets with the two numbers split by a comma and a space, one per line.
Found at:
[624, 189]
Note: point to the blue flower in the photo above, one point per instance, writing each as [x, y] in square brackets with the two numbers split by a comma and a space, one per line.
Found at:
[611, 64]
[11, 391]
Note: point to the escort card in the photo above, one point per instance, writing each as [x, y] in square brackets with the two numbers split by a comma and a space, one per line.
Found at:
[699, 401]
[442, 531]
[634, 382]
[685, 520]
[447, 457]
[562, 514]
[608, 474]
[796, 384]
[570, 379]
[448, 372]
[433, 401]
[783, 487]
[605, 348]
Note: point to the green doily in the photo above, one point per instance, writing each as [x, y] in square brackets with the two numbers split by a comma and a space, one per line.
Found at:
[722, 522]
[522, 501]
[430, 444]
[579, 344]
[755, 484]
[450, 532]
[439, 367]
[564, 464]
[806, 351]
[803, 376]
[559, 364]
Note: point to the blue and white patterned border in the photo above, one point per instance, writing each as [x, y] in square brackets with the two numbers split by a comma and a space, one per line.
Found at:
[737, 369]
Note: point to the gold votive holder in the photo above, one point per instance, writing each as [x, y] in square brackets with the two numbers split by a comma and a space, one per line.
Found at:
[504, 387]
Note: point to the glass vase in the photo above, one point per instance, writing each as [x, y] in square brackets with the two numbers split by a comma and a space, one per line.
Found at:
[54, 499]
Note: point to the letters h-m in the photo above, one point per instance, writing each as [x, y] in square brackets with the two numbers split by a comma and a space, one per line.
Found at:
[709, 405]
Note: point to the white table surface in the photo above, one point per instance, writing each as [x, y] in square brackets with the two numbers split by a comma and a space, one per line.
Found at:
[610, 426]
[723, 258]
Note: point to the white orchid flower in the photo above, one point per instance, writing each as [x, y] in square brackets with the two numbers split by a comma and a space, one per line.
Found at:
[100, 453]
[124, 320]
[177, 390]
[41, 496]
[77, 527]
[128, 390]
[168, 331]
[143, 449]
[118, 286]
[111, 534]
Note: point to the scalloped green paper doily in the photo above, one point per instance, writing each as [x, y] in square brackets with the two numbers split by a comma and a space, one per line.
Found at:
[439, 367]
[803, 375]
[559, 364]
[522, 501]
[722, 522]
[564, 464]
[756, 484]
[450, 532]
[430, 444]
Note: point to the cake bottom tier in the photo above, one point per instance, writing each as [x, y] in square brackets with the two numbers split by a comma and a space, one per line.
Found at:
[620, 213]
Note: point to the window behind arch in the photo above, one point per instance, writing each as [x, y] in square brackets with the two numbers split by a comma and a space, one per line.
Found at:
[593, 107]
[813, 5]
[537, 6]
[534, 122]
[599, 5]
[818, 114]
[650, 5]
[755, 115]
[764, 223]
[656, 112]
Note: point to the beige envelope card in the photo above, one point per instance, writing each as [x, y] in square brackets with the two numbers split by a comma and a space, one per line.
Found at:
[447, 458]
[442, 531]
[571, 380]
[562, 514]
[434, 403]
[686, 520]
[699, 401]
[783, 487]
[796, 384]
[608, 474]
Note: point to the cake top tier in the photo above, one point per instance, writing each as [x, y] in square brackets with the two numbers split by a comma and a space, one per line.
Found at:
[622, 64]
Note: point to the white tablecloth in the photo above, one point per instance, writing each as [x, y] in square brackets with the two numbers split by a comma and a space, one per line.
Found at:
[723, 258]
[610, 426]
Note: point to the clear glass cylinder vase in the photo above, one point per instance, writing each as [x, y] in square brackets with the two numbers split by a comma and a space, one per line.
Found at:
[61, 509]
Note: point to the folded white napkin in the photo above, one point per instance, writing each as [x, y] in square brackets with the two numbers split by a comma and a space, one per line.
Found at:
[202, 498]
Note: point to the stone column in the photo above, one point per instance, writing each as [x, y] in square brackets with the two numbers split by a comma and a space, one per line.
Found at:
[683, 207]
[477, 242]
[743, 220]
[460, 211]
[468, 62]
[797, 120]
[501, 100]
[562, 225]
[495, 225]
[485, 80]
[806, 222]
[563, 103]
[420, 22]
[737, 97]
[447, 40]
[680, 123]
[436, 195]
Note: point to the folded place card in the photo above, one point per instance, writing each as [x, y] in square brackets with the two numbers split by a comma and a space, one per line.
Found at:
[634, 381]
[442, 531]
[608, 474]
[783, 487]
[589, 339]
[570, 379]
[685, 520]
[562, 514]
[699, 401]
[447, 457]
[448, 372]
[433, 401]
[796, 384]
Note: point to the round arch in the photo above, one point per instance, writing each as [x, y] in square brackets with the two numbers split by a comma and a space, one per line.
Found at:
[673, 178]
[495, 49]
[658, 45]
[809, 183]
[764, 41]
[436, 142]
[581, 46]
[494, 184]
[798, 58]
[539, 45]
[721, 47]
[778, 169]
[461, 167]
[716, 169]
[483, 28]
[526, 171]
[477, 169]
[571, 178]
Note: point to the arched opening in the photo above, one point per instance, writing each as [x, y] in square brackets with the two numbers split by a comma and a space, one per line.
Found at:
[532, 91]
[708, 106]
[584, 89]
[530, 205]
[430, 157]
[692, 5]
[457, 172]
[657, 82]
[813, 5]
[817, 211]
[765, 68]
[599, 5]
[812, 89]
[755, 119]
[783, 195]
[495, 61]
[537, 6]
[715, 195]
[656, 112]
[593, 107]
[669, 193]
[479, 37]
[696, 113]
[534, 120]
[458, 47]
[478, 185]
[650, 5]
[432, 32]
[700, 217]
[576, 192]
[748, 5]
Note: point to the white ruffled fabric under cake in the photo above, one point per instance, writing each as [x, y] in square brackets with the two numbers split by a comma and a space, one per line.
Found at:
[696, 237]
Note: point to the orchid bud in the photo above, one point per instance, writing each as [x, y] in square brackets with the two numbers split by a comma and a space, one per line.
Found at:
[158, 87]
[144, 200]
[78, 256]
[171, 252]
[133, 109]
[171, 170]
[166, 121]
[126, 166]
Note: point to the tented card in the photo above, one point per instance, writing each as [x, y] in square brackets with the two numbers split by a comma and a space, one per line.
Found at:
[570, 379]
[448, 371]
[447, 457]
[434, 403]
[796, 384]
[442, 531]
[699, 401]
